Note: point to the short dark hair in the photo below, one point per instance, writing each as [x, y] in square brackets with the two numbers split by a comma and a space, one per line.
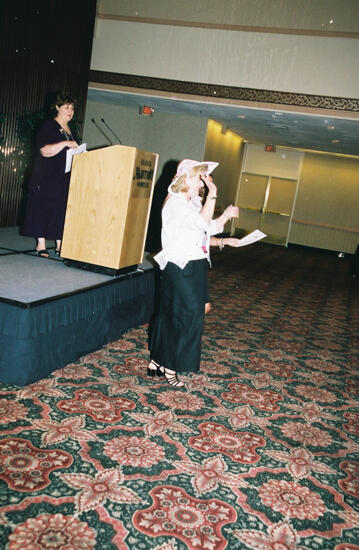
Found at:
[61, 98]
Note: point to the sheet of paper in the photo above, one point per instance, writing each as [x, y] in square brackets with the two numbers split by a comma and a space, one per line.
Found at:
[70, 153]
[256, 235]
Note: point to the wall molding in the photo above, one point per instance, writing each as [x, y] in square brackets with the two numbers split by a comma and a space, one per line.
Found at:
[227, 27]
[226, 92]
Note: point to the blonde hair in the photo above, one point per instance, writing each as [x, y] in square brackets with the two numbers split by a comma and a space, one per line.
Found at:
[182, 184]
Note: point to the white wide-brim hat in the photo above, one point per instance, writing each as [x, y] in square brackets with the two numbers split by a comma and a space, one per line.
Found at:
[186, 165]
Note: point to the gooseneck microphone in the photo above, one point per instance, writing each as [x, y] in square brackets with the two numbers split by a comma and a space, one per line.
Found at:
[102, 132]
[112, 132]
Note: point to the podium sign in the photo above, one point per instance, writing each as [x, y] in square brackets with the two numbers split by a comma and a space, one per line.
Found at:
[108, 206]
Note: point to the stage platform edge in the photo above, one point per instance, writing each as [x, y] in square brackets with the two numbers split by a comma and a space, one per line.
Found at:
[37, 340]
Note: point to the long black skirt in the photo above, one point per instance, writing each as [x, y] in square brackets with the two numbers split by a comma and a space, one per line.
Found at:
[176, 332]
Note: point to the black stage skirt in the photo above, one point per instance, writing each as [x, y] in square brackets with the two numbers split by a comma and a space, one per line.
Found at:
[175, 335]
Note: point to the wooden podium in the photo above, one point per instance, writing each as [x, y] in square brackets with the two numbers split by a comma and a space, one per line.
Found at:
[108, 207]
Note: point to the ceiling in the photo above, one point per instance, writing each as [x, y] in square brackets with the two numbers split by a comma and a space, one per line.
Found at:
[278, 127]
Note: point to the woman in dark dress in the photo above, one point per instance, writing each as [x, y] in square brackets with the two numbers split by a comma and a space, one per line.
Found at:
[49, 184]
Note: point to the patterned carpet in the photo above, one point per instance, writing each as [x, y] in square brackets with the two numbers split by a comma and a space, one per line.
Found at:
[259, 451]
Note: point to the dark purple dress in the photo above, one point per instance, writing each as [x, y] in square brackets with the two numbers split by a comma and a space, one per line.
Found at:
[48, 187]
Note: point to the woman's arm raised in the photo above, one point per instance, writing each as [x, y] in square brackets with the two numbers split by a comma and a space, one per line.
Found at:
[208, 207]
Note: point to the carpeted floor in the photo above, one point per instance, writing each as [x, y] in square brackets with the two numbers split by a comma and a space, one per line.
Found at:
[259, 451]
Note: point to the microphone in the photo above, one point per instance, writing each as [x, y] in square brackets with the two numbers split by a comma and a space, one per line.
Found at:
[102, 132]
[112, 132]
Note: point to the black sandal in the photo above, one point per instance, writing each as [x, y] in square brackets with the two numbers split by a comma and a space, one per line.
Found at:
[156, 370]
[172, 379]
[42, 253]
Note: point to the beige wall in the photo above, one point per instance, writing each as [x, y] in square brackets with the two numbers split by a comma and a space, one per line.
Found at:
[283, 163]
[225, 148]
[266, 60]
[327, 207]
[173, 137]
[290, 14]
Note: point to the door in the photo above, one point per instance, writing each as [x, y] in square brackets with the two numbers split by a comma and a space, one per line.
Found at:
[266, 203]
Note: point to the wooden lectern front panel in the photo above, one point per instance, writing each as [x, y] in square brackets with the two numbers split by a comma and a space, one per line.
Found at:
[107, 212]
[138, 210]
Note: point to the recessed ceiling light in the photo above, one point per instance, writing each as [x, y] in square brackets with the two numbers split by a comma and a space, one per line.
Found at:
[331, 21]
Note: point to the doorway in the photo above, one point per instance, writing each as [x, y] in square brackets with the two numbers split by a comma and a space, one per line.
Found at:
[266, 203]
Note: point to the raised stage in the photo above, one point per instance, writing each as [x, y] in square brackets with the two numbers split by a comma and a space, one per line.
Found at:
[51, 314]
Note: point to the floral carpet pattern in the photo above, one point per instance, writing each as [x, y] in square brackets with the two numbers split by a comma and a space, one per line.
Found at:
[259, 451]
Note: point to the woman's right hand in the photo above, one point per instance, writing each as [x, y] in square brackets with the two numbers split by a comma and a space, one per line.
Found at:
[208, 207]
[209, 183]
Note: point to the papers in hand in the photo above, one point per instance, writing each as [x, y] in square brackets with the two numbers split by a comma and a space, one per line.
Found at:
[70, 153]
[252, 238]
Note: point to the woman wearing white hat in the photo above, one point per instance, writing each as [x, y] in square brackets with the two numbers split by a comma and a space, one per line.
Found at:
[187, 225]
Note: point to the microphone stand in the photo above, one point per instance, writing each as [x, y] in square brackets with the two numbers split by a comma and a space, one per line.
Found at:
[102, 132]
[112, 132]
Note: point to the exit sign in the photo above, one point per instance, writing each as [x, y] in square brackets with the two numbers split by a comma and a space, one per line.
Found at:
[270, 148]
[146, 110]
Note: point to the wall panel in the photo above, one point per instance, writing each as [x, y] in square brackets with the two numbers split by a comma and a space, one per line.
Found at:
[321, 16]
[279, 62]
[327, 206]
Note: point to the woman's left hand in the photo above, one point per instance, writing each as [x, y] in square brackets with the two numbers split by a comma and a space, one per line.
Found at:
[72, 144]
[231, 241]
[231, 212]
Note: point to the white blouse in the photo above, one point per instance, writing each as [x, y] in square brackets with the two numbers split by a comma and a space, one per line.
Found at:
[185, 233]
